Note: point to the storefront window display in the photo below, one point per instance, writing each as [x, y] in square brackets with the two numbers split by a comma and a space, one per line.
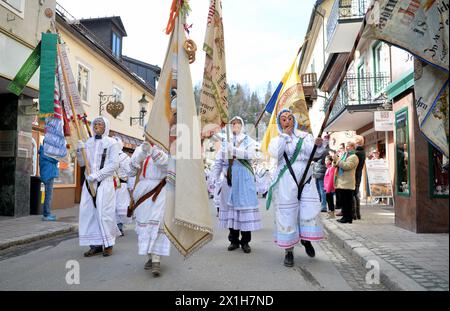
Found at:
[439, 165]
[402, 152]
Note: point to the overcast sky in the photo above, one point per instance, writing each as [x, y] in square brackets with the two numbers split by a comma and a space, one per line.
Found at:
[261, 36]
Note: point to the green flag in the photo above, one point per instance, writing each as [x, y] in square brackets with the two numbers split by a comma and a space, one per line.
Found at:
[48, 73]
[26, 72]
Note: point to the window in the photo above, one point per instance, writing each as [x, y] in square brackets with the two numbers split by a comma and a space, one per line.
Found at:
[15, 6]
[402, 152]
[118, 93]
[66, 172]
[376, 50]
[438, 174]
[116, 45]
[84, 76]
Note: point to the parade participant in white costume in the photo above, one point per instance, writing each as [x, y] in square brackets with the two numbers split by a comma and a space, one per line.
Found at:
[239, 210]
[295, 221]
[97, 221]
[122, 191]
[149, 197]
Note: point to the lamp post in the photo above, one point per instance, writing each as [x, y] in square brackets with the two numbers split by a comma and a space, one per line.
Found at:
[141, 117]
[143, 102]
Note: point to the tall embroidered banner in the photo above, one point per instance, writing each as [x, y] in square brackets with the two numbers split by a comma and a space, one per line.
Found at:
[214, 94]
[47, 74]
[174, 126]
[71, 86]
[422, 28]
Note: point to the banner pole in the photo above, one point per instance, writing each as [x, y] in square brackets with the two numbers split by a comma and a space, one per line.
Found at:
[333, 99]
[77, 126]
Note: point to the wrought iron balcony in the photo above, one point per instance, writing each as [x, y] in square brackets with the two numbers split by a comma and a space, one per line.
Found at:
[357, 90]
[344, 23]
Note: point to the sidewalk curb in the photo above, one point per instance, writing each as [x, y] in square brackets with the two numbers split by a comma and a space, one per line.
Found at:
[391, 277]
[36, 237]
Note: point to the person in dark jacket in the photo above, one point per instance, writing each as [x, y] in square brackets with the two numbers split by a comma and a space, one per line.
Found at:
[361, 154]
[48, 168]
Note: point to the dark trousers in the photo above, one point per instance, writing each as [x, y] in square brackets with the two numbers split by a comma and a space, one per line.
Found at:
[233, 237]
[356, 202]
[345, 200]
[338, 200]
[330, 201]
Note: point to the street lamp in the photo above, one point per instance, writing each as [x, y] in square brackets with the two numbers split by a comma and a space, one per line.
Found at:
[143, 100]
[141, 117]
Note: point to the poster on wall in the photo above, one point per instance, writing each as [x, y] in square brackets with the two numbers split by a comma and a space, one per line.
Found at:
[380, 185]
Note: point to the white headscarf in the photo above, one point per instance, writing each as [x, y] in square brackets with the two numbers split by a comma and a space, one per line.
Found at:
[105, 121]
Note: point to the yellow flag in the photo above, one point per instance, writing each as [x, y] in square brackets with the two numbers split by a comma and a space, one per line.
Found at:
[292, 97]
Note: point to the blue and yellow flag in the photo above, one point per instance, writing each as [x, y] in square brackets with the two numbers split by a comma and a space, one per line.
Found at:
[292, 97]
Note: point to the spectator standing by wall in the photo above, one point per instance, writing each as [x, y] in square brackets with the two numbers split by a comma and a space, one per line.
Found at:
[48, 168]
[345, 181]
[329, 185]
[361, 154]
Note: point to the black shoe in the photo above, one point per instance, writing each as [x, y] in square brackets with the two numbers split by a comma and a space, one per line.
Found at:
[289, 259]
[246, 248]
[148, 265]
[233, 247]
[345, 221]
[93, 251]
[309, 248]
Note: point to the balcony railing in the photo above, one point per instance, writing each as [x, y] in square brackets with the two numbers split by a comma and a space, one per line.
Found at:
[309, 79]
[345, 10]
[357, 90]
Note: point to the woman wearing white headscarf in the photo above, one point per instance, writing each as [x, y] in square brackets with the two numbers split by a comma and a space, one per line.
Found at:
[239, 208]
[294, 221]
[97, 221]
[149, 164]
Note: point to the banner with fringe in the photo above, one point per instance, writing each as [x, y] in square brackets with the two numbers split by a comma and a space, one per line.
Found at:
[187, 221]
[420, 27]
[214, 94]
[47, 75]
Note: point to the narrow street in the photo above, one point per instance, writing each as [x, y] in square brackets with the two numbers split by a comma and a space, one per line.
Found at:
[42, 266]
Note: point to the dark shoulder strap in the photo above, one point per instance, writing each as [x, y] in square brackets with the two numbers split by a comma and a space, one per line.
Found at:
[291, 170]
[102, 164]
